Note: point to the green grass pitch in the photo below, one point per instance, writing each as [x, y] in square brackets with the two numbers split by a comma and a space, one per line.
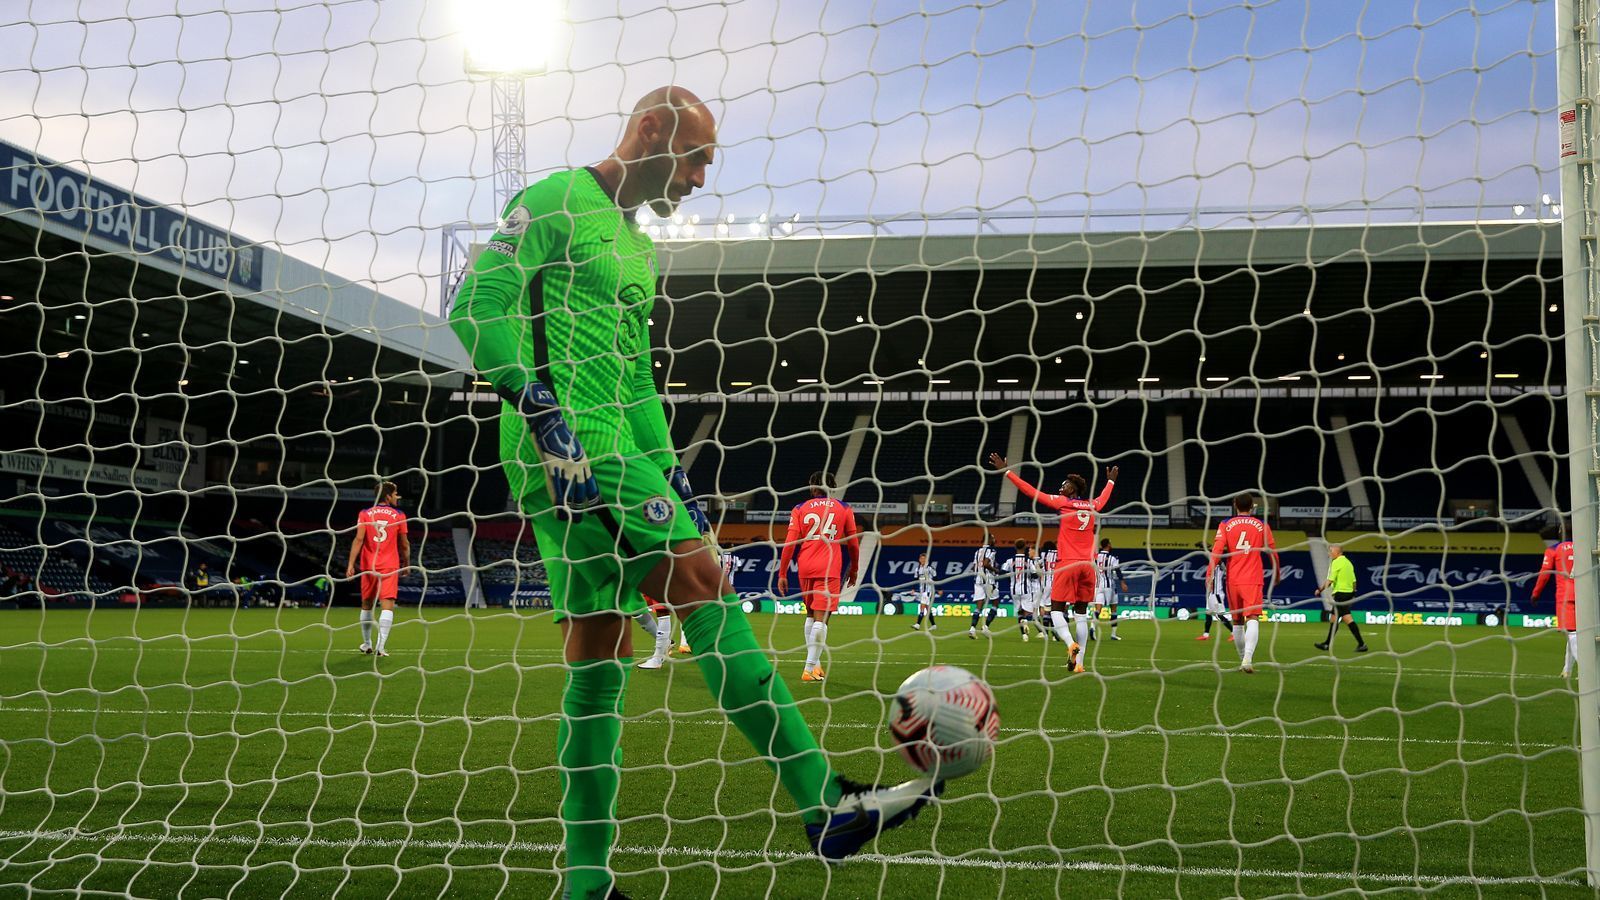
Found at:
[255, 753]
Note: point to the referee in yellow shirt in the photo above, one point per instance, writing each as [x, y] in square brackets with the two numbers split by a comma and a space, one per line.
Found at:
[1342, 578]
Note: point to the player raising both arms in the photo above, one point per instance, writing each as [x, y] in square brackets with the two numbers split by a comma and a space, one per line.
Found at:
[555, 315]
[1558, 564]
[926, 591]
[819, 527]
[1240, 542]
[381, 544]
[1072, 582]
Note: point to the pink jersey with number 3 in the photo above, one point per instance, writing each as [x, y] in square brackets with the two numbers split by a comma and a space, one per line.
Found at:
[380, 545]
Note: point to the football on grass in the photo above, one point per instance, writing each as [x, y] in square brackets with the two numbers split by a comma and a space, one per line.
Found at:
[945, 721]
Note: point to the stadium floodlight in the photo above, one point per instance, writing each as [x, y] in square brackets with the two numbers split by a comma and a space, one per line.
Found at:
[1545, 199]
[1518, 210]
[1360, 377]
[806, 380]
[1507, 375]
[1432, 377]
[740, 383]
[1007, 380]
[1554, 308]
[784, 363]
[1288, 377]
[1216, 378]
[1148, 380]
[507, 38]
[673, 384]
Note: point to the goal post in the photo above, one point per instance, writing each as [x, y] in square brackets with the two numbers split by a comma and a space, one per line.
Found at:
[1579, 134]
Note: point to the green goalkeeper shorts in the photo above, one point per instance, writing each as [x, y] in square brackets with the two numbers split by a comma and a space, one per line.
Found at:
[596, 564]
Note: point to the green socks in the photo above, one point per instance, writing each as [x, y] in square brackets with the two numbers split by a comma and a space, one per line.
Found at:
[589, 750]
[742, 679]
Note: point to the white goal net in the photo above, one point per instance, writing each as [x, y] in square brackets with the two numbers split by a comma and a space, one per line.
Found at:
[1297, 263]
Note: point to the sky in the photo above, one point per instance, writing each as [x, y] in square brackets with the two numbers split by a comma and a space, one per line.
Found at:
[346, 133]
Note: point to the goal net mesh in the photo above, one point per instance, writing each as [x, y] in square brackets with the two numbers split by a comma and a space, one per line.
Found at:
[1305, 252]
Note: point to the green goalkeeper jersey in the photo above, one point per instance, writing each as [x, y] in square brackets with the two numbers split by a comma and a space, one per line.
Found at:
[562, 295]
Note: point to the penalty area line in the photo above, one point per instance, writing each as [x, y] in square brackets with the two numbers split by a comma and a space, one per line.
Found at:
[105, 839]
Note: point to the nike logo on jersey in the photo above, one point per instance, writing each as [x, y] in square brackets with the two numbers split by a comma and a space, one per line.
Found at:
[764, 679]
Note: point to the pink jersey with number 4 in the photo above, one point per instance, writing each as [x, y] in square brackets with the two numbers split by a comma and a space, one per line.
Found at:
[1240, 542]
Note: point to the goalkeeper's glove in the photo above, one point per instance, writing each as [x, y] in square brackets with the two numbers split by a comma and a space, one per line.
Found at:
[567, 474]
[679, 479]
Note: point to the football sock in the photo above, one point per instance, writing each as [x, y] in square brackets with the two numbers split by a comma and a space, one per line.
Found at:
[1252, 633]
[663, 636]
[759, 704]
[976, 612]
[366, 626]
[993, 611]
[1333, 629]
[1354, 631]
[646, 620]
[811, 643]
[1059, 620]
[589, 753]
[1227, 622]
[385, 620]
[1206, 619]
[1083, 629]
[1571, 660]
[1114, 623]
[819, 631]
[919, 615]
[1242, 645]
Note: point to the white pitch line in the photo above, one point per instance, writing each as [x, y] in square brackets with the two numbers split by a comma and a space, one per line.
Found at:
[1350, 666]
[104, 838]
[658, 720]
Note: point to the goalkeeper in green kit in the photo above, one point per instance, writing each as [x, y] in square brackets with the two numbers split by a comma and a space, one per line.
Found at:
[554, 314]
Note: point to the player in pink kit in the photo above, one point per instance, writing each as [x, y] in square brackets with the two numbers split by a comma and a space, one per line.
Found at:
[381, 544]
[1558, 563]
[1240, 542]
[820, 527]
[1072, 582]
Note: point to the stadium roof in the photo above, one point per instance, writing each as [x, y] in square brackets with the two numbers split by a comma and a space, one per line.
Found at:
[1429, 304]
[112, 296]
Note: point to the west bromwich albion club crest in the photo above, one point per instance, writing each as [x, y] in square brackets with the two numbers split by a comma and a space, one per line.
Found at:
[658, 510]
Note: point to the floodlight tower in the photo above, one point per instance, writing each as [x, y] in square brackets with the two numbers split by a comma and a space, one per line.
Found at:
[505, 43]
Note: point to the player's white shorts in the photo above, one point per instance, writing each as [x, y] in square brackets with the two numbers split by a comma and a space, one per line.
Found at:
[1214, 604]
[1105, 596]
[925, 600]
[1025, 601]
[983, 589]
